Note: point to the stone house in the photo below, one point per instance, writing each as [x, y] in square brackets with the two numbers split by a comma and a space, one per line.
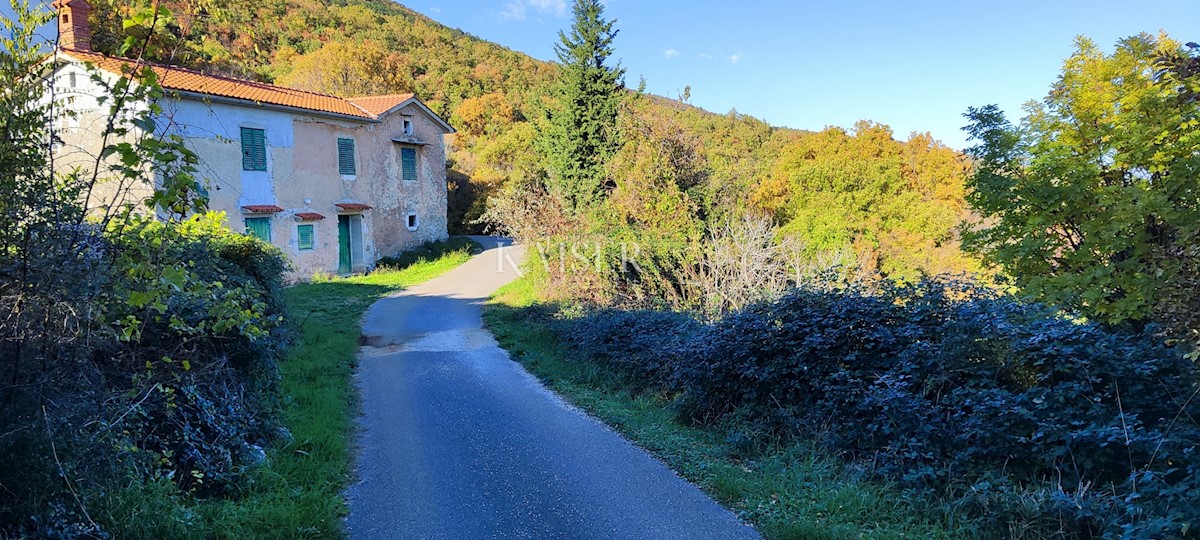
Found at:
[336, 183]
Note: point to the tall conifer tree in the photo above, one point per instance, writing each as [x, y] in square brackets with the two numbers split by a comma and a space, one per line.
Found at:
[581, 133]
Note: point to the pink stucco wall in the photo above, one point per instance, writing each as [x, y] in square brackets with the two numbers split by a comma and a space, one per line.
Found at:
[304, 178]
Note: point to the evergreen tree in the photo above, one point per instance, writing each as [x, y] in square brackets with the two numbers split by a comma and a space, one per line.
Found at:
[581, 132]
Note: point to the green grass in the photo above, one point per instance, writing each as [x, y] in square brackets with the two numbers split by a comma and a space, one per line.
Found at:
[298, 493]
[787, 493]
[426, 252]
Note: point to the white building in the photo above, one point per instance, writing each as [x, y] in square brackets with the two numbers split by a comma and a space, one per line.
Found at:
[336, 183]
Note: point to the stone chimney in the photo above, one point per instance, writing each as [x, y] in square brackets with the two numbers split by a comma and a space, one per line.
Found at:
[73, 30]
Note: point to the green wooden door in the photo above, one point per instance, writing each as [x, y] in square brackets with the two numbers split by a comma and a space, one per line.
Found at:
[344, 263]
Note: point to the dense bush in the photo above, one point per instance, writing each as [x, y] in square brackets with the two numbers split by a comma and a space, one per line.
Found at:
[644, 343]
[163, 372]
[209, 338]
[1038, 424]
[137, 346]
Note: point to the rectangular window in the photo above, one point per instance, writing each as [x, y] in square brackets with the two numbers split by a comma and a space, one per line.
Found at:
[345, 149]
[260, 227]
[408, 164]
[254, 150]
[306, 236]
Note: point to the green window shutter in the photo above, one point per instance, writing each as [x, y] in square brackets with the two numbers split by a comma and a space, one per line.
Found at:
[254, 149]
[408, 164]
[345, 149]
[306, 236]
[259, 227]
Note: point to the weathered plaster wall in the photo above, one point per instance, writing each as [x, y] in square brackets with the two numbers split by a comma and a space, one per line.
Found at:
[394, 198]
[221, 123]
[80, 121]
[302, 170]
[302, 177]
[317, 181]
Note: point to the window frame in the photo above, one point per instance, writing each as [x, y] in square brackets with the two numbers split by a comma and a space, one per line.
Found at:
[415, 168]
[312, 236]
[250, 230]
[412, 221]
[254, 149]
[347, 164]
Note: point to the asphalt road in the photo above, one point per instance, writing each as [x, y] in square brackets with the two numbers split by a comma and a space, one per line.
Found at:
[459, 442]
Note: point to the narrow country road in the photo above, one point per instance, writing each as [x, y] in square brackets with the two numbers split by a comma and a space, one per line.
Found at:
[460, 442]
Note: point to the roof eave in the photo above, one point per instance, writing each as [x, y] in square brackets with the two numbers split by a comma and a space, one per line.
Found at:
[200, 96]
[64, 56]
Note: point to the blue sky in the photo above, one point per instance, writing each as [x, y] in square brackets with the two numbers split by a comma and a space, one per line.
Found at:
[915, 66]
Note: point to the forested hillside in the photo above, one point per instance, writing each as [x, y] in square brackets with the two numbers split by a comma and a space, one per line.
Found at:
[768, 309]
[1062, 406]
[496, 98]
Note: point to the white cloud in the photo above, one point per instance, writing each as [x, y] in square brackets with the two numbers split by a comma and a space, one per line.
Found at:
[435, 9]
[732, 58]
[557, 7]
[518, 10]
[670, 53]
[513, 11]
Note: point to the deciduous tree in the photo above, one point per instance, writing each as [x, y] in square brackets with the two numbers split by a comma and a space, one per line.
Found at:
[351, 69]
[896, 205]
[1093, 201]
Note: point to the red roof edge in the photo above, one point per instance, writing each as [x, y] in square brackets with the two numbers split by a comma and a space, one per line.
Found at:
[261, 209]
[309, 216]
[353, 206]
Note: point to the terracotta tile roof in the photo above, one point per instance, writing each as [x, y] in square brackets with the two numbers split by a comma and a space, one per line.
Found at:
[353, 206]
[186, 80]
[378, 105]
[261, 209]
[309, 216]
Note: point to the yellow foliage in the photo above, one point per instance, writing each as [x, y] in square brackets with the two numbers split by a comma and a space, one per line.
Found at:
[350, 69]
[898, 205]
[488, 113]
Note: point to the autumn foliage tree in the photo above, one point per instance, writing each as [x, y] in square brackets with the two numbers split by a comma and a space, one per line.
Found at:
[1094, 203]
[351, 69]
[893, 206]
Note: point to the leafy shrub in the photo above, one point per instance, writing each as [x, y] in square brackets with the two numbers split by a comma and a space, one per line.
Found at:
[163, 372]
[1037, 423]
[644, 343]
[204, 349]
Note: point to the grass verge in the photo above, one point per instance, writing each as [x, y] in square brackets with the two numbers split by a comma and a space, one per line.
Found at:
[297, 494]
[787, 493]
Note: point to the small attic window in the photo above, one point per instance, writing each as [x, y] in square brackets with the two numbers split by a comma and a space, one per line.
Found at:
[66, 18]
[408, 125]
